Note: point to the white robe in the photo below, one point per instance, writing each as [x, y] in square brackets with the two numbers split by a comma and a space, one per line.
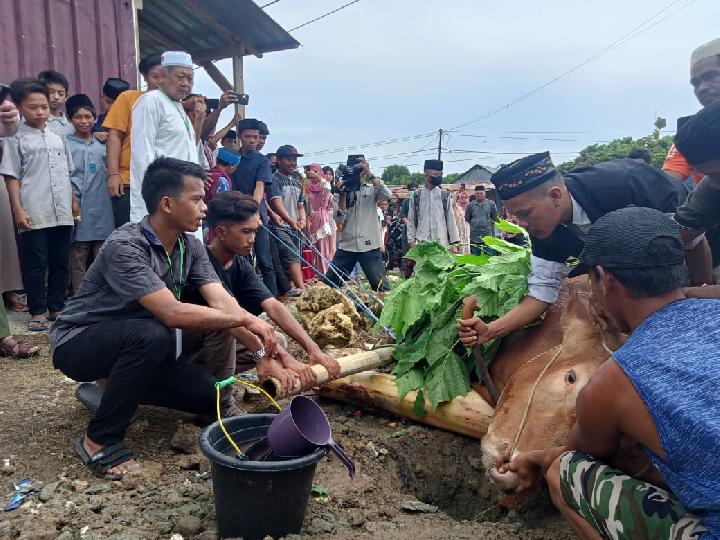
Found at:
[434, 222]
[160, 127]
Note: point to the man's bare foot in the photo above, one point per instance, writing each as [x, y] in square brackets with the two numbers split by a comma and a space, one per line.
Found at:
[92, 448]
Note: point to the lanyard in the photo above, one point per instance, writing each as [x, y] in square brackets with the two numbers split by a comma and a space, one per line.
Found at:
[177, 285]
[181, 112]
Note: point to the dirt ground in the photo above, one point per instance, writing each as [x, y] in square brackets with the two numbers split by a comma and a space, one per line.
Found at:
[397, 462]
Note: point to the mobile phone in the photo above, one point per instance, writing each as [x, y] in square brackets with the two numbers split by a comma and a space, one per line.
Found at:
[242, 99]
[212, 103]
[4, 92]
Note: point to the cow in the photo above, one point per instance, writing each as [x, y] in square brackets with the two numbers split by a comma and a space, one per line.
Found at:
[536, 408]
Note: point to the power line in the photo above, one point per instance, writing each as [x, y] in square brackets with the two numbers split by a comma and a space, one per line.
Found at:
[632, 34]
[269, 4]
[324, 15]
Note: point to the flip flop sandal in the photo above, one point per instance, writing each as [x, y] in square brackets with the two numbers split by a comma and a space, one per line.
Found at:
[25, 349]
[90, 395]
[38, 325]
[104, 459]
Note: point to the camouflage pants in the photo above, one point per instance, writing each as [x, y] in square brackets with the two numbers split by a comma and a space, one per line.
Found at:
[620, 507]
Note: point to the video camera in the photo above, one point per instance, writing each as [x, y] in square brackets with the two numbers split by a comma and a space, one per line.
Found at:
[350, 174]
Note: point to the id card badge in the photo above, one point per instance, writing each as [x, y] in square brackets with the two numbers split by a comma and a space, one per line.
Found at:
[178, 343]
[92, 168]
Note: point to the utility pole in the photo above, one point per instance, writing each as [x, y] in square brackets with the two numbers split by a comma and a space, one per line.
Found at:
[440, 133]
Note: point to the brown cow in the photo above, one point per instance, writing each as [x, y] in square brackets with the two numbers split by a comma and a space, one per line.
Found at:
[537, 406]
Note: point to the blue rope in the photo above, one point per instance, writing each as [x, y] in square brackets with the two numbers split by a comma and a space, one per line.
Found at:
[357, 302]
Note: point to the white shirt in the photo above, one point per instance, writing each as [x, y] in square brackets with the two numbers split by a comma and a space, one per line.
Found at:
[160, 127]
[545, 276]
[434, 222]
[60, 125]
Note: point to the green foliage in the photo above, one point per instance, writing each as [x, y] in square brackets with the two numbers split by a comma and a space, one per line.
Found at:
[394, 171]
[424, 310]
[620, 148]
[450, 178]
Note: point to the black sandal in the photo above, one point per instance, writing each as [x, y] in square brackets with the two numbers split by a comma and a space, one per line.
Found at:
[104, 459]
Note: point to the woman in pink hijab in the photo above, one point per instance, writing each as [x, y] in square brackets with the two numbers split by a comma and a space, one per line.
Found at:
[320, 224]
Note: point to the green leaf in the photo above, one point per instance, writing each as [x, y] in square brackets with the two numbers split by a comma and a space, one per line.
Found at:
[477, 260]
[319, 491]
[419, 405]
[447, 379]
[412, 380]
[506, 226]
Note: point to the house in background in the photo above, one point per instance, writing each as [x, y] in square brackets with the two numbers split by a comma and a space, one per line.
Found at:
[91, 40]
[477, 174]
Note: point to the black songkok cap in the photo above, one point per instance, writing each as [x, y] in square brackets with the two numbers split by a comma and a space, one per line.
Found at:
[76, 102]
[353, 159]
[114, 87]
[433, 164]
[248, 123]
[523, 175]
[623, 239]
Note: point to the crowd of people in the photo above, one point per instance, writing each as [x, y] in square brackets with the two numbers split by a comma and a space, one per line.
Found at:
[136, 222]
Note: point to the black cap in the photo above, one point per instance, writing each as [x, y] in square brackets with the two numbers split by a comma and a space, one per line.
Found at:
[353, 159]
[248, 123]
[113, 87]
[523, 175]
[262, 128]
[76, 102]
[287, 150]
[480, 187]
[623, 239]
[433, 165]
[230, 135]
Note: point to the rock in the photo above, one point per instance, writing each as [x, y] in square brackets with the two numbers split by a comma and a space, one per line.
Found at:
[207, 535]
[48, 491]
[372, 452]
[186, 439]
[188, 526]
[133, 479]
[332, 326]
[357, 518]
[7, 467]
[320, 297]
[79, 485]
[190, 462]
[98, 489]
[319, 526]
[65, 535]
[417, 506]
[164, 527]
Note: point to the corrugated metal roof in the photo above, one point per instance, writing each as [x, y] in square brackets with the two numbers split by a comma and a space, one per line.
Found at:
[210, 29]
[87, 40]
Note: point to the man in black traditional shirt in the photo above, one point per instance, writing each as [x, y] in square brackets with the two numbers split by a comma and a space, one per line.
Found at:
[233, 219]
[557, 211]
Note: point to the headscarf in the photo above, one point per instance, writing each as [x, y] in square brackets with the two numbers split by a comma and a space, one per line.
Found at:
[316, 185]
[320, 199]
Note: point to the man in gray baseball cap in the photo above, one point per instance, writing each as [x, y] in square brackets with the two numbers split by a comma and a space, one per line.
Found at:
[659, 389]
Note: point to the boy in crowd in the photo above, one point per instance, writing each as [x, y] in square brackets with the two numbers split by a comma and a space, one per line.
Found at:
[36, 164]
[430, 215]
[233, 218]
[220, 180]
[128, 324]
[263, 134]
[58, 87]
[112, 88]
[118, 123]
[286, 187]
[228, 141]
[89, 180]
[481, 214]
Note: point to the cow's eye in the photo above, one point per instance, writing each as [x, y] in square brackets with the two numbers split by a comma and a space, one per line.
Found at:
[570, 378]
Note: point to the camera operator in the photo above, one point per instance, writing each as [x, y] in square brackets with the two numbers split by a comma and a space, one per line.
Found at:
[360, 242]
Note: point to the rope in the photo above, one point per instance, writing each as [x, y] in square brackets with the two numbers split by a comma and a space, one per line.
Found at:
[357, 302]
[227, 382]
[532, 395]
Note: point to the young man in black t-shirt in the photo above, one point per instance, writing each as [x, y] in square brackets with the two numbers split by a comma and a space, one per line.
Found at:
[233, 218]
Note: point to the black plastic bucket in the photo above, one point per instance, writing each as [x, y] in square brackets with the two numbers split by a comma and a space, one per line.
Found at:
[254, 499]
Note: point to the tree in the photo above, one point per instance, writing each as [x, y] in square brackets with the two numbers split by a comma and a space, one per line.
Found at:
[450, 178]
[620, 148]
[392, 172]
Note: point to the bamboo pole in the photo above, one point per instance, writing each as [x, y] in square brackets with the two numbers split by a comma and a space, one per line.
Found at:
[468, 415]
[349, 365]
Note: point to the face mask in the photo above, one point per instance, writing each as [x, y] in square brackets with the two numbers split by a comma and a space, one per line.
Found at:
[436, 180]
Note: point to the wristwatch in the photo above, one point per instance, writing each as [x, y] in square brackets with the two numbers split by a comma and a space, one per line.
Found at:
[259, 354]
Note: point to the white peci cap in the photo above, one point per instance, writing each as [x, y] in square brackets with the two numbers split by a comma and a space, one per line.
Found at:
[176, 58]
[712, 48]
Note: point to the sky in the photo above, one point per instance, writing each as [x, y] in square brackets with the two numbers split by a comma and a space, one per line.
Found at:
[381, 70]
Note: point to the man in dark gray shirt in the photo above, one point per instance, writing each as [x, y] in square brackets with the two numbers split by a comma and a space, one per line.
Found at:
[481, 214]
[118, 325]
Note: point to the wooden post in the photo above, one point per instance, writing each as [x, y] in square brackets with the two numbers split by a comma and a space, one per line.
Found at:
[239, 81]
